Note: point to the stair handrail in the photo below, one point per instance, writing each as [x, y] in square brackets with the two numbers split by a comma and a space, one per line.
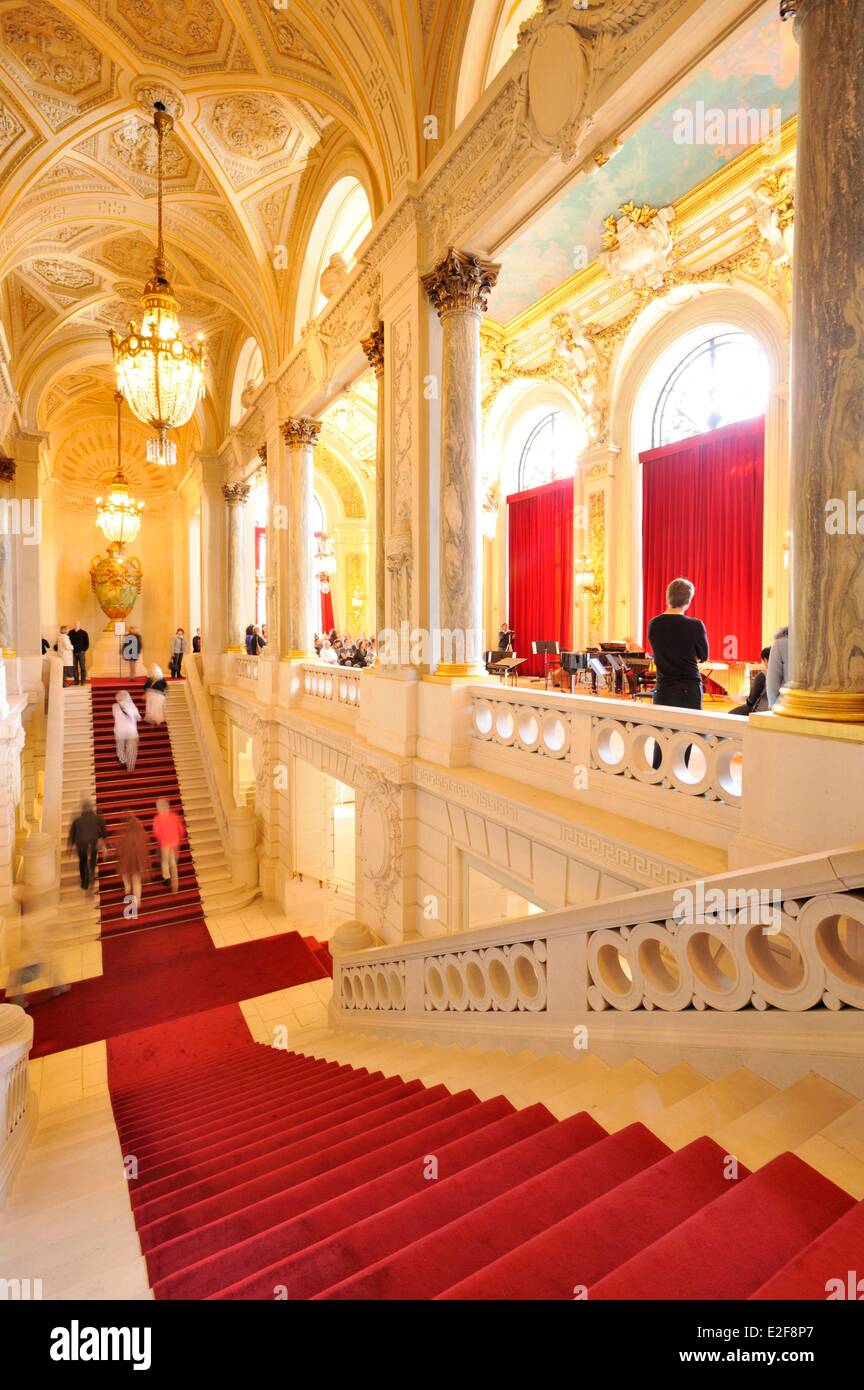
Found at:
[571, 962]
[55, 733]
[236, 823]
[17, 1099]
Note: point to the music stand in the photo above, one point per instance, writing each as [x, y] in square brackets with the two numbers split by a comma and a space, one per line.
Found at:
[507, 667]
[547, 650]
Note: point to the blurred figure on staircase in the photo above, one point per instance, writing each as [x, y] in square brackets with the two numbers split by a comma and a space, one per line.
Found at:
[156, 688]
[40, 953]
[85, 832]
[196, 640]
[65, 651]
[168, 832]
[133, 857]
[178, 651]
[126, 719]
[131, 648]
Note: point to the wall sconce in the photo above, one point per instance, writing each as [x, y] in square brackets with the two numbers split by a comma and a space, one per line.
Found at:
[584, 575]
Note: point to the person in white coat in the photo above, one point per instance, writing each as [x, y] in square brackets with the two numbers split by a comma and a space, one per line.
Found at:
[126, 719]
[156, 688]
[327, 653]
[67, 655]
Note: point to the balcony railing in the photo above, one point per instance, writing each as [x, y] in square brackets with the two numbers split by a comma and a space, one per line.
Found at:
[335, 685]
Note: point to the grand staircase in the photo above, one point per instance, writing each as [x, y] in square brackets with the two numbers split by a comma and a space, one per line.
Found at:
[78, 913]
[119, 792]
[332, 1173]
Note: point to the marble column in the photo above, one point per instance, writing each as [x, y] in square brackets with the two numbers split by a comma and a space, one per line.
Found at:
[301, 436]
[373, 346]
[7, 542]
[826, 665]
[459, 290]
[236, 495]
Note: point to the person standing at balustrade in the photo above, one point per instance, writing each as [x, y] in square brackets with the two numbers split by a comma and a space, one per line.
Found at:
[679, 643]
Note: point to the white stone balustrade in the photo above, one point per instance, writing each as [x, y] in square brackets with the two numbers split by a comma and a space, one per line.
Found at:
[338, 685]
[17, 1102]
[787, 938]
[247, 670]
[601, 752]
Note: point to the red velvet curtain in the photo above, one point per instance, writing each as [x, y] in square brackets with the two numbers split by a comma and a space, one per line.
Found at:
[702, 520]
[540, 530]
[327, 612]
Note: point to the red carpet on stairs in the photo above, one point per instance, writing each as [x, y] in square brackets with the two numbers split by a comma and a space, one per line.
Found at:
[118, 792]
[151, 977]
[266, 1174]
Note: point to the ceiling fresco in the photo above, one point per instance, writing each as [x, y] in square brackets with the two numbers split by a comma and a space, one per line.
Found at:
[758, 73]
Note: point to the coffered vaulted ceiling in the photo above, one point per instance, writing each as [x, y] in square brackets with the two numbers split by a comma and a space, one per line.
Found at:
[268, 98]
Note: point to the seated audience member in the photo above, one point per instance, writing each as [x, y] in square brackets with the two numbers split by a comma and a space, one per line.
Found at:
[317, 644]
[256, 643]
[778, 666]
[757, 699]
[327, 653]
[247, 640]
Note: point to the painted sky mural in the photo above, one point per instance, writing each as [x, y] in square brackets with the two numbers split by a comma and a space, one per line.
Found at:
[758, 73]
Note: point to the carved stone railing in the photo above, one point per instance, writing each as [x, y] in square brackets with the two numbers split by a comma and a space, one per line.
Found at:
[602, 752]
[335, 685]
[17, 1100]
[787, 937]
[247, 670]
[52, 794]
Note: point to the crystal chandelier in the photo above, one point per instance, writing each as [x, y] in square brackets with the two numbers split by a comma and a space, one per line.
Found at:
[161, 377]
[118, 515]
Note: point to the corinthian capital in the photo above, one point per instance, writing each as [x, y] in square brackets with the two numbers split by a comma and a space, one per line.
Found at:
[7, 469]
[235, 493]
[373, 346]
[461, 281]
[297, 432]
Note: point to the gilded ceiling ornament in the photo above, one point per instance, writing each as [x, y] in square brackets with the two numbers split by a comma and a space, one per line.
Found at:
[73, 277]
[147, 96]
[134, 143]
[298, 432]
[252, 126]
[185, 27]
[52, 50]
[10, 129]
[775, 212]
[461, 282]
[639, 245]
[373, 346]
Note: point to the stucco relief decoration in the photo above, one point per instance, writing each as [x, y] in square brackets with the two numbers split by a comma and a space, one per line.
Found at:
[134, 144]
[252, 126]
[10, 128]
[51, 49]
[589, 371]
[380, 835]
[775, 213]
[184, 27]
[65, 273]
[639, 245]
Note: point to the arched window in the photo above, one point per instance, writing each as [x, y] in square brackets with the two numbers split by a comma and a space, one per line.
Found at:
[343, 220]
[720, 380]
[550, 451]
[248, 374]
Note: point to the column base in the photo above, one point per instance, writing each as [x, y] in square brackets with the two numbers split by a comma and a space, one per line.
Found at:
[240, 651]
[298, 656]
[832, 706]
[449, 672]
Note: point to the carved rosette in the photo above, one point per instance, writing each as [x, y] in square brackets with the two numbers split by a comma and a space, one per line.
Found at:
[235, 493]
[301, 432]
[7, 469]
[373, 346]
[461, 283]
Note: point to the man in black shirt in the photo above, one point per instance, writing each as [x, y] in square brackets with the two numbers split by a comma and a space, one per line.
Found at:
[80, 644]
[679, 643]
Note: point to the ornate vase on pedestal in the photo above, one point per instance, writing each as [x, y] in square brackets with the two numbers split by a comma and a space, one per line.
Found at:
[116, 582]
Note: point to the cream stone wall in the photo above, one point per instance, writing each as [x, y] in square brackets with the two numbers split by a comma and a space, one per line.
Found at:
[161, 548]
